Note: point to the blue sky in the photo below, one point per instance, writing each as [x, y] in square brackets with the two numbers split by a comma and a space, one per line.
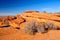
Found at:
[12, 7]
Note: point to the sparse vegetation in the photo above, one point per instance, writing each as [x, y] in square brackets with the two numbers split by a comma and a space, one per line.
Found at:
[30, 28]
[41, 27]
[50, 26]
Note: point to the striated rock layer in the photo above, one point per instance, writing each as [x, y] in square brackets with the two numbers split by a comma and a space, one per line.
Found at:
[12, 27]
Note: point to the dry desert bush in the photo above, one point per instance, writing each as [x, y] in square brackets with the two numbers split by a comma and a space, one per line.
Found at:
[30, 28]
[42, 27]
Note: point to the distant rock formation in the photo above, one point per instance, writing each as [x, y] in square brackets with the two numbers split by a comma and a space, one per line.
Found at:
[30, 11]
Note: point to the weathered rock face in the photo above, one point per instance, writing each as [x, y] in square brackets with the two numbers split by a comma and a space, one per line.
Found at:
[43, 22]
[4, 22]
[11, 17]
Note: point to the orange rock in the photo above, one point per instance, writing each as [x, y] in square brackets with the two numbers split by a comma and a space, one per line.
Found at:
[11, 17]
[15, 23]
[20, 20]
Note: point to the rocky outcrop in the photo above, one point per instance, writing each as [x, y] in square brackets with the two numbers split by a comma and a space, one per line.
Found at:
[30, 22]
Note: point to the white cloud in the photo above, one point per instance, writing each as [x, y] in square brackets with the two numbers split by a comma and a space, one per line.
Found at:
[46, 9]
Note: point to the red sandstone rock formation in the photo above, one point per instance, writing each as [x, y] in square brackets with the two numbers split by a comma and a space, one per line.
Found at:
[21, 20]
